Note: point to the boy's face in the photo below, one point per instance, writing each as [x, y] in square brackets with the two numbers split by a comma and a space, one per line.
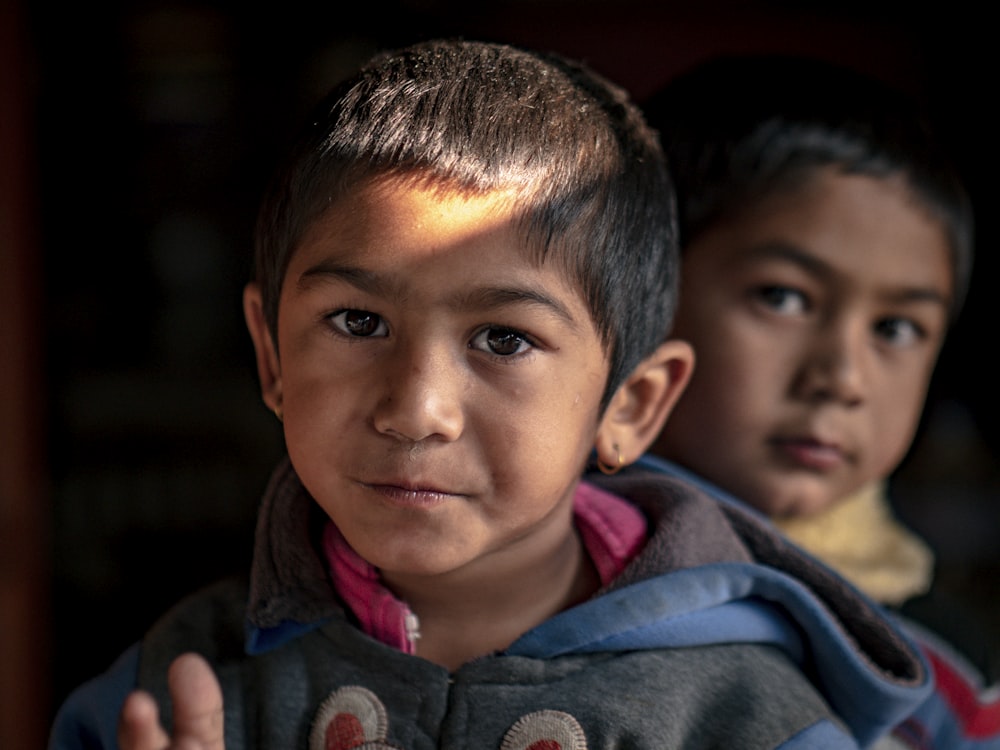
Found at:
[816, 317]
[440, 392]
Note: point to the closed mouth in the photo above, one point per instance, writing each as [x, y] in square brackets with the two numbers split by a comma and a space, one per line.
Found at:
[810, 452]
[411, 493]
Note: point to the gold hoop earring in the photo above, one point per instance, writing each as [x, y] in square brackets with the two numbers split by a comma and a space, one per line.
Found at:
[611, 470]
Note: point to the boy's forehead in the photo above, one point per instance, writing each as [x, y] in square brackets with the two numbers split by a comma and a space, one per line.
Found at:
[395, 226]
[841, 221]
[378, 209]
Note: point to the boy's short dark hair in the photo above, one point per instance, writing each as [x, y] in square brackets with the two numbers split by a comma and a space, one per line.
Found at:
[587, 171]
[737, 128]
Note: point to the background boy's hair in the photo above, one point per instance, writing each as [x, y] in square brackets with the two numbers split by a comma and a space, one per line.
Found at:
[736, 128]
[586, 173]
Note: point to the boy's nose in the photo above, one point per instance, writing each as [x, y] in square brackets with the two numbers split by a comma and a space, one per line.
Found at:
[421, 396]
[834, 367]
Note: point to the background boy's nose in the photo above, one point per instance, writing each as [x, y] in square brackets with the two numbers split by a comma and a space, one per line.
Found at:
[421, 397]
[834, 367]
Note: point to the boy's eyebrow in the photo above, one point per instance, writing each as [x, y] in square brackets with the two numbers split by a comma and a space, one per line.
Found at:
[364, 280]
[479, 297]
[817, 267]
[494, 297]
[791, 253]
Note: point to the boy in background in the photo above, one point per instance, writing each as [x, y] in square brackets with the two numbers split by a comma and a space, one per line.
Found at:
[827, 248]
[464, 281]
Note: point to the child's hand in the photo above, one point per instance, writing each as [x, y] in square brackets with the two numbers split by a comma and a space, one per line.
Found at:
[198, 716]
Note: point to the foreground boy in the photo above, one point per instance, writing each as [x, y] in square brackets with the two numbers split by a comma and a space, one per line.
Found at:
[464, 281]
[827, 248]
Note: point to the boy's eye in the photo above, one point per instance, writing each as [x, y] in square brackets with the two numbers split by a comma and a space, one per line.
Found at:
[782, 299]
[898, 331]
[359, 323]
[504, 342]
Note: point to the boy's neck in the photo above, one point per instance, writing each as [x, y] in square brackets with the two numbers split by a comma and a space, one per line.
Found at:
[464, 616]
[501, 599]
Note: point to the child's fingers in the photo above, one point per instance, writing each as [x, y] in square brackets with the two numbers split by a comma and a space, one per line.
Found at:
[197, 699]
[139, 724]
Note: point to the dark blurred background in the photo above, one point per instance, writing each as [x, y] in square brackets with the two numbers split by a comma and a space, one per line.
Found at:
[135, 140]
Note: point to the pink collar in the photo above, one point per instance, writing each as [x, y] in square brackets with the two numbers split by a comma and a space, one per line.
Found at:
[612, 530]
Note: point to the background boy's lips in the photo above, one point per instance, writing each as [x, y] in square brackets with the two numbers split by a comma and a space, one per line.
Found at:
[811, 453]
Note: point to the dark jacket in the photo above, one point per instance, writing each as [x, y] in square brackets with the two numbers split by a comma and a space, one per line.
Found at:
[719, 634]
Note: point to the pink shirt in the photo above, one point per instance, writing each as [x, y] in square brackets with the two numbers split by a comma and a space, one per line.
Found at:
[612, 531]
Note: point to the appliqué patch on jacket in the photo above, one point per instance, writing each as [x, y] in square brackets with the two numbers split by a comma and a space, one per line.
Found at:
[545, 730]
[351, 718]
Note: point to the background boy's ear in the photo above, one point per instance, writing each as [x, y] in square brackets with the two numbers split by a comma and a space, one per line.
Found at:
[640, 407]
[268, 366]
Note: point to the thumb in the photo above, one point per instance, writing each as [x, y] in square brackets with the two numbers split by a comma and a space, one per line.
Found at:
[197, 699]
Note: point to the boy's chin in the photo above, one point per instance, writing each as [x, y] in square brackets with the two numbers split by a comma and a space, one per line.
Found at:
[798, 502]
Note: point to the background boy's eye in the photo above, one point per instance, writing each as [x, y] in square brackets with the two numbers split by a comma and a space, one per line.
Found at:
[504, 342]
[359, 323]
[898, 331]
[782, 299]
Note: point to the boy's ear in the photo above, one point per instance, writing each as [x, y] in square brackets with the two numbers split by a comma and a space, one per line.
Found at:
[640, 407]
[268, 365]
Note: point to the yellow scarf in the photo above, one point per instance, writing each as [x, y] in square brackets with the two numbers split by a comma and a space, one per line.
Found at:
[859, 538]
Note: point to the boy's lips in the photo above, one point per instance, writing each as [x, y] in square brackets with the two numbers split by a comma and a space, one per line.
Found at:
[410, 493]
[811, 452]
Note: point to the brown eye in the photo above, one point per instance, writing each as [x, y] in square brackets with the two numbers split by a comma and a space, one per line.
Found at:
[781, 299]
[359, 323]
[502, 342]
[899, 331]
